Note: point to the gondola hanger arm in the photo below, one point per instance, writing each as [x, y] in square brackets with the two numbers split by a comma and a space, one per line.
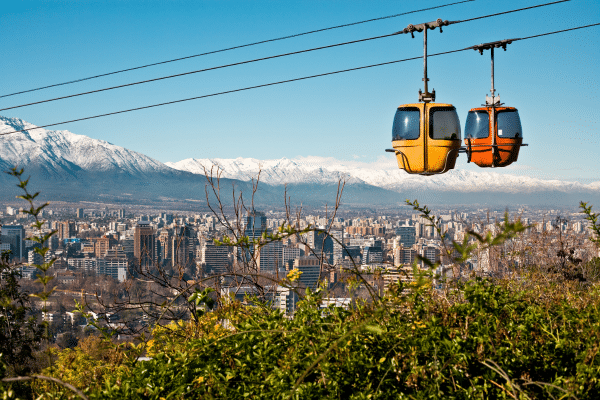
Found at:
[497, 44]
[438, 23]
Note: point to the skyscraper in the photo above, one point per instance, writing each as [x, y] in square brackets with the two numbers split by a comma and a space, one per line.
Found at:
[407, 235]
[181, 247]
[215, 259]
[13, 235]
[144, 244]
[270, 257]
[256, 224]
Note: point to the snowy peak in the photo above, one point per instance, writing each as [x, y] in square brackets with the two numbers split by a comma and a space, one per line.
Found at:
[383, 173]
[274, 172]
[64, 151]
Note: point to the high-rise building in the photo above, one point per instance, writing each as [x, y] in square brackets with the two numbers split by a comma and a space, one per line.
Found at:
[404, 256]
[102, 245]
[144, 244]
[182, 247]
[324, 245]
[215, 259]
[80, 213]
[372, 254]
[432, 253]
[270, 257]
[289, 255]
[310, 266]
[256, 224]
[407, 235]
[165, 243]
[113, 264]
[66, 229]
[13, 236]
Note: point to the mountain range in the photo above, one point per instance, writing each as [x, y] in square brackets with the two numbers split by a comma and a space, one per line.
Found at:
[70, 167]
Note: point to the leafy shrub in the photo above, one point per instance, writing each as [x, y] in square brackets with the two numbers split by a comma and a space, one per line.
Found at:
[487, 341]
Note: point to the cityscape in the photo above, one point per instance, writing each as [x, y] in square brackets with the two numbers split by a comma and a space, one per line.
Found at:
[117, 244]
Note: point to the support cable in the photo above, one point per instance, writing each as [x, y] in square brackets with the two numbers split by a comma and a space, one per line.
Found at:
[282, 82]
[410, 29]
[199, 70]
[237, 47]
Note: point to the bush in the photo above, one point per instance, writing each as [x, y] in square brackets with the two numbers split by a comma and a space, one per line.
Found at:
[488, 341]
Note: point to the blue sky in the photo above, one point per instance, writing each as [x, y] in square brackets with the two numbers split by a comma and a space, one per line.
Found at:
[553, 80]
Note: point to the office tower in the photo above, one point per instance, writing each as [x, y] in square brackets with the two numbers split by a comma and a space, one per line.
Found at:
[404, 256]
[80, 213]
[12, 237]
[352, 252]
[323, 244]
[66, 229]
[215, 259]
[144, 244]
[270, 257]
[165, 243]
[289, 255]
[182, 245]
[113, 264]
[310, 267]
[337, 238]
[407, 235]
[372, 254]
[256, 224]
[431, 253]
[102, 245]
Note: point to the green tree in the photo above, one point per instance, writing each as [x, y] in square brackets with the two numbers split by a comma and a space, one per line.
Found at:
[19, 331]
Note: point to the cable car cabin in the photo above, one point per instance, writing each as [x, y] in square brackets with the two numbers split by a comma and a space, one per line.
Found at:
[493, 136]
[426, 137]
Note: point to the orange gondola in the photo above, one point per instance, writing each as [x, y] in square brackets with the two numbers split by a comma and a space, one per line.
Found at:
[493, 133]
[493, 136]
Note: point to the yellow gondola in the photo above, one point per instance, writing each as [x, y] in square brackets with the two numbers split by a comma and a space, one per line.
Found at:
[426, 136]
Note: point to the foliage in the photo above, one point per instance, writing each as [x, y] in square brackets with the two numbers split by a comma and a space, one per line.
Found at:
[19, 331]
[497, 342]
[594, 223]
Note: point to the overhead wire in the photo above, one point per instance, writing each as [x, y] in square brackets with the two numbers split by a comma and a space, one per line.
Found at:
[260, 59]
[512, 11]
[237, 47]
[200, 70]
[282, 82]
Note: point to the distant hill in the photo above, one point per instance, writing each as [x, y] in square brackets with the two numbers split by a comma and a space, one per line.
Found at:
[70, 167]
[453, 187]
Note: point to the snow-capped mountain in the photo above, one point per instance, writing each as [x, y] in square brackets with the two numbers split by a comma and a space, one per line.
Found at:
[384, 174]
[63, 152]
[71, 167]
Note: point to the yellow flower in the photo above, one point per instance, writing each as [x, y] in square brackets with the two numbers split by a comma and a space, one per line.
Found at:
[294, 275]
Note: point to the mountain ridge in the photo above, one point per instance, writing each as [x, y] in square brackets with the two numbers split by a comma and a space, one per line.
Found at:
[306, 169]
[71, 167]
